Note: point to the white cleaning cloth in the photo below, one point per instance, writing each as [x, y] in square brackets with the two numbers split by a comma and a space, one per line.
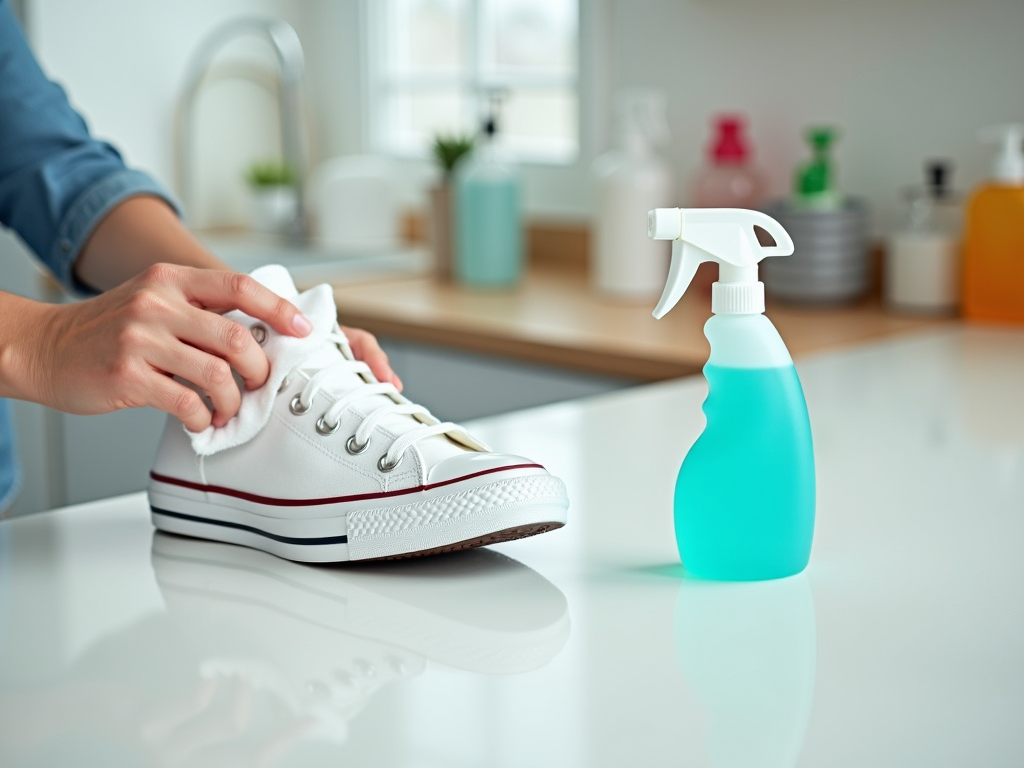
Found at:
[283, 352]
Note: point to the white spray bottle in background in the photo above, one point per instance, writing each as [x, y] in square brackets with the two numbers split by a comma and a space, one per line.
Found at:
[744, 499]
[630, 181]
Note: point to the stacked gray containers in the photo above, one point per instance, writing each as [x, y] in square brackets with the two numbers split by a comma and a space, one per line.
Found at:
[831, 260]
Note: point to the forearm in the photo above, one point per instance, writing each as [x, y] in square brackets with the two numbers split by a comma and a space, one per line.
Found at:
[136, 234]
[23, 325]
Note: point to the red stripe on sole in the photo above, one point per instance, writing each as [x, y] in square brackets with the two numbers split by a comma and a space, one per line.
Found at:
[331, 500]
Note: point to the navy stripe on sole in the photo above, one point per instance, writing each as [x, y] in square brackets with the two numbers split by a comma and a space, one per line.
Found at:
[248, 528]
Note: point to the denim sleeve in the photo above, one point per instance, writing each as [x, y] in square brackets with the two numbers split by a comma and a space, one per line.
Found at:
[56, 181]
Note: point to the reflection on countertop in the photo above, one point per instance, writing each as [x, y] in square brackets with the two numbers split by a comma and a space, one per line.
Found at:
[748, 654]
[323, 640]
[255, 654]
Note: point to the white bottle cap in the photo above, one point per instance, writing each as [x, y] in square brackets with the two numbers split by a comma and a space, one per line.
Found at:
[737, 298]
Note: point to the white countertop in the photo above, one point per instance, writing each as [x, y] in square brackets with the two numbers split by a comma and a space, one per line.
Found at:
[901, 645]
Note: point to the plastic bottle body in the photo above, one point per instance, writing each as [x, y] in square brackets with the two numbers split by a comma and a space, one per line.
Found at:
[628, 264]
[728, 185]
[488, 223]
[745, 494]
[993, 271]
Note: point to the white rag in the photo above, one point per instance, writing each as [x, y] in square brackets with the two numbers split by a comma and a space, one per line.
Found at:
[284, 354]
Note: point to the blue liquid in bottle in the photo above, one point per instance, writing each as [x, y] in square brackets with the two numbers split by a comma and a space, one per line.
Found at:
[489, 247]
[744, 499]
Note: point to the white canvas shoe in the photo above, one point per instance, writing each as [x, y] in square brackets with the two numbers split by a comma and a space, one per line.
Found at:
[326, 464]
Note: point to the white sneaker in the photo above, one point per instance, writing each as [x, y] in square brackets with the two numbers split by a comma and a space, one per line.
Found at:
[325, 464]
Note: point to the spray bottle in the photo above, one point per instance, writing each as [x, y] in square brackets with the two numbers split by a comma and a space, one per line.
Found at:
[744, 498]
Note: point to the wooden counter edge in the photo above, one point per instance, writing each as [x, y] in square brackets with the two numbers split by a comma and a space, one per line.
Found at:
[524, 350]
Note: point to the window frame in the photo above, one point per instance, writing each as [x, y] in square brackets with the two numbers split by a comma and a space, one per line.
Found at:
[377, 79]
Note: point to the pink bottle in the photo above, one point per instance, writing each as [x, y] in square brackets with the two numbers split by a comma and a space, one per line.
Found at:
[729, 180]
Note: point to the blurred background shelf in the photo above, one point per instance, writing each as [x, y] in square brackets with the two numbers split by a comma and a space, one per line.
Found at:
[555, 319]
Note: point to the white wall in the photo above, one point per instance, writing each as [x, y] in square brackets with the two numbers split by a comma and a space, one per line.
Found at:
[905, 80]
[123, 63]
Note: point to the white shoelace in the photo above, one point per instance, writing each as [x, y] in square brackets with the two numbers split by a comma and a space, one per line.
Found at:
[328, 423]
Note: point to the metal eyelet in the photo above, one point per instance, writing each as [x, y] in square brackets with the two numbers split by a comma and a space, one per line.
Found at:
[284, 385]
[325, 429]
[383, 466]
[259, 332]
[296, 407]
[355, 448]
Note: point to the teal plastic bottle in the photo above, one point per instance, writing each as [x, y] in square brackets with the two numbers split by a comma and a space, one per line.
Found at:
[745, 494]
[488, 218]
[744, 499]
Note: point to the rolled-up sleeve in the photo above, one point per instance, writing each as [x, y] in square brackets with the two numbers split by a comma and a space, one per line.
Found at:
[56, 181]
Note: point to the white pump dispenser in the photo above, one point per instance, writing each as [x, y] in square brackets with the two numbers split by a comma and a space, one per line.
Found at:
[629, 181]
[1008, 167]
[744, 500]
[722, 235]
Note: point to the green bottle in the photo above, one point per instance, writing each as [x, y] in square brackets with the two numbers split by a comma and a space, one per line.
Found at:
[815, 180]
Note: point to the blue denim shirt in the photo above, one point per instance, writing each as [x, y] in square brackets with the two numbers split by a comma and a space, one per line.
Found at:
[56, 183]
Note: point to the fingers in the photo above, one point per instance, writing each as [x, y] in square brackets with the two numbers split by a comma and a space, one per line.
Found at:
[165, 394]
[366, 348]
[210, 373]
[210, 289]
[226, 339]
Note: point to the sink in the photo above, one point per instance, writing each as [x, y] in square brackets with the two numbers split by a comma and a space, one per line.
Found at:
[310, 264]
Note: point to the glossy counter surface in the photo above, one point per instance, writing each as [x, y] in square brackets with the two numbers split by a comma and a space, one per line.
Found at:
[899, 646]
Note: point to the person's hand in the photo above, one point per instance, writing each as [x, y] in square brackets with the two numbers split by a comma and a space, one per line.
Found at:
[123, 349]
[366, 348]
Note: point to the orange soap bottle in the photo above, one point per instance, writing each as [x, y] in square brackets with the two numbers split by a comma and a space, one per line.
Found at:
[993, 271]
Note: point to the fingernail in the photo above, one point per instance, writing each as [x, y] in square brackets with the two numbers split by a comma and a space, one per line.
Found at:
[302, 325]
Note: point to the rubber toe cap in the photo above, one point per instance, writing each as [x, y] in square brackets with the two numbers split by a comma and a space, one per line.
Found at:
[468, 464]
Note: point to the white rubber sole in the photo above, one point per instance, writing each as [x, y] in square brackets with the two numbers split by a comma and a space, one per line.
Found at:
[461, 515]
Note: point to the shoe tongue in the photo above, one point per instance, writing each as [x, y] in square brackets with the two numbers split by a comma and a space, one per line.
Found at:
[276, 278]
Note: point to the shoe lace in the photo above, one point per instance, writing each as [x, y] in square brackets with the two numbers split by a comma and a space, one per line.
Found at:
[328, 423]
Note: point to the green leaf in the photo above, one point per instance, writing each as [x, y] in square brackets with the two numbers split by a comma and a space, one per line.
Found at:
[270, 173]
[448, 149]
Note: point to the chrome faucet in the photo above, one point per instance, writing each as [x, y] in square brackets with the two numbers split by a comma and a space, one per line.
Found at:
[291, 65]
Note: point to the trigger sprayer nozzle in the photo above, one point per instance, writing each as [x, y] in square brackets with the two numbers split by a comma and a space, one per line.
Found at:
[722, 235]
[664, 224]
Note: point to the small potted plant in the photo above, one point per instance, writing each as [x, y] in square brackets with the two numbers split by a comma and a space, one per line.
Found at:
[274, 203]
[447, 151]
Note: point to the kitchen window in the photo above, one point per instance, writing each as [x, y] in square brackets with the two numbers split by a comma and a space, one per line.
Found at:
[433, 66]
